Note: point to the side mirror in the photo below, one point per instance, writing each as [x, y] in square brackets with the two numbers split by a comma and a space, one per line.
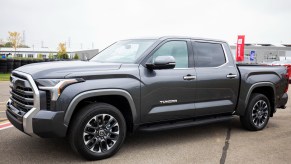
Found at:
[162, 62]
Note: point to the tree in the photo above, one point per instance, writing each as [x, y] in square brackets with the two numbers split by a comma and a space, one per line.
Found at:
[62, 51]
[76, 56]
[15, 39]
[39, 56]
[51, 56]
[8, 44]
[23, 46]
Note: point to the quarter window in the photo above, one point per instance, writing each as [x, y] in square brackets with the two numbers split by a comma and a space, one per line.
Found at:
[177, 49]
[208, 54]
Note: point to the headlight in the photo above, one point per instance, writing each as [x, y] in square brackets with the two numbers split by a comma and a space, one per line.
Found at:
[55, 86]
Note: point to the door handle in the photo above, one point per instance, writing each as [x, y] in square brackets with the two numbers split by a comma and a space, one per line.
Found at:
[189, 77]
[230, 76]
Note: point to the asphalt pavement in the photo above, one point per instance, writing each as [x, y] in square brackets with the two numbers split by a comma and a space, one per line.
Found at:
[223, 142]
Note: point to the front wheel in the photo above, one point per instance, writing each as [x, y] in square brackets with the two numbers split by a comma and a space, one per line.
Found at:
[98, 131]
[257, 113]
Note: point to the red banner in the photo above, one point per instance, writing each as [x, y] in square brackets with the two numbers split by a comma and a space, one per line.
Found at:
[240, 48]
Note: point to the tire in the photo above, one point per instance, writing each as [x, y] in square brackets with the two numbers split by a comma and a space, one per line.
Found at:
[252, 120]
[85, 120]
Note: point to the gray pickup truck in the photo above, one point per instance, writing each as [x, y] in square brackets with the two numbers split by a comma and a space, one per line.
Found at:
[146, 84]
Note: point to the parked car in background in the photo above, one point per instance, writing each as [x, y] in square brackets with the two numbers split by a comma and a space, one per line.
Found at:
[286, 63]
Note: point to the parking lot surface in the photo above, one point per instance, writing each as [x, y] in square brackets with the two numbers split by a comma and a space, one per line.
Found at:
[223, 142]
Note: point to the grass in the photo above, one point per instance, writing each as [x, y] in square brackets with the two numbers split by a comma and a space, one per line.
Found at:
[4, 76]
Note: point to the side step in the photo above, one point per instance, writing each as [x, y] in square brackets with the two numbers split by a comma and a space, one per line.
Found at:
[181, 124]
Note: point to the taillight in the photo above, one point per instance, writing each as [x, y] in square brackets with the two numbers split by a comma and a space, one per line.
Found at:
[287, 78]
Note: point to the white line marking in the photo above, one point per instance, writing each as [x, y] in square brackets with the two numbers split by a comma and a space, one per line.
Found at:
[5, 125]
[10, 126]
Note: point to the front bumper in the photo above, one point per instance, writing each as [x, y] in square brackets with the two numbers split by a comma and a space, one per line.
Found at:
[283, 101]
[42, 123]
[26, 112]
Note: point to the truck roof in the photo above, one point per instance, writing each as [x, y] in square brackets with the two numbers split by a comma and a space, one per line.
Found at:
[180, 37]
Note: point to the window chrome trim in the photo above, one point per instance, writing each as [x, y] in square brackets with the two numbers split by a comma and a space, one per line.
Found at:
[189, 68]
[223, 48]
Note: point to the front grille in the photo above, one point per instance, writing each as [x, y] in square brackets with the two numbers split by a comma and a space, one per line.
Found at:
[22, 97]
[48, 100]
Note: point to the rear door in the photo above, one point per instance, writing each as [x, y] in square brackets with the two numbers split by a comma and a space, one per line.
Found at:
[217, 79]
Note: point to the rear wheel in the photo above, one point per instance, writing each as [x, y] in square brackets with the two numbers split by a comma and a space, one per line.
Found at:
[257, 113]
[98, 131]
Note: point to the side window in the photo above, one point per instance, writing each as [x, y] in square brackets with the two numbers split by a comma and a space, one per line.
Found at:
[177, 49]
[208, 54]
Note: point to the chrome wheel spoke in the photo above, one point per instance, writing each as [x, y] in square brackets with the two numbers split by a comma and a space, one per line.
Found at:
[260, 122]
[89, 141]
[90, 126]
[103, 146]
[114, 133]
[103, 119]
[108, 124]
[112, 138]
[89, 133]
[92, 143]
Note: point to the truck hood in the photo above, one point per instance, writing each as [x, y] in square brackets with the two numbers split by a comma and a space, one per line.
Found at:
[61, 69]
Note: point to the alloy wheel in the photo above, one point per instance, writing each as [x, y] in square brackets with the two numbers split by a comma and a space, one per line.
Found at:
[101, 133]
[260, 113]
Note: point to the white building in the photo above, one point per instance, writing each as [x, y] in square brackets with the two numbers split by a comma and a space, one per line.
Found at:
[265, 53]
[44, 53]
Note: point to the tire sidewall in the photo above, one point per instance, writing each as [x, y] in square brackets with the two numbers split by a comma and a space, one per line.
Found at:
[91, 112]
[254, 100]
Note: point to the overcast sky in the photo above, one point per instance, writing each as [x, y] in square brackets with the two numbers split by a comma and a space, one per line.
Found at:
[104, 21]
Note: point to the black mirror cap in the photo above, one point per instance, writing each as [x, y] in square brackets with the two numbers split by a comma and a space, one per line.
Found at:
[162, 62]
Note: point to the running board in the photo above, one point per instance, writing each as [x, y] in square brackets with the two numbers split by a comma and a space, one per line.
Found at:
[182, 124]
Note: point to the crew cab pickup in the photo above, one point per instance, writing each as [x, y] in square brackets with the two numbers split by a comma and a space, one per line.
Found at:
[146, 84]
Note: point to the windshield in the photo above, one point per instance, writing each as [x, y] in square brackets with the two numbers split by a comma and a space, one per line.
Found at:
[125, 51]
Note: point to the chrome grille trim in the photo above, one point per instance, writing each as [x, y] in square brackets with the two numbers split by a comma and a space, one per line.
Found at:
[28, 107]
[27, 95]
[28, 100]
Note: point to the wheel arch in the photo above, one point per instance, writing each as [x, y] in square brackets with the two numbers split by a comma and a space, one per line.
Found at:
[95, 94]
[265, 88]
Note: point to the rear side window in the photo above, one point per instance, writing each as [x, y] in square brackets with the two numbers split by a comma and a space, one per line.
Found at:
[208, 54]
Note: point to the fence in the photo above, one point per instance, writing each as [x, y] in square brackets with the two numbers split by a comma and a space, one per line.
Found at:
[8, 65]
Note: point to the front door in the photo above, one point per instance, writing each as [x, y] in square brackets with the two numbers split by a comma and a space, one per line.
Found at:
[168, 94]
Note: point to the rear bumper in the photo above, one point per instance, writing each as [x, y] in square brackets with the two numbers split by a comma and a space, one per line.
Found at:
[46, 124]
[283, 101]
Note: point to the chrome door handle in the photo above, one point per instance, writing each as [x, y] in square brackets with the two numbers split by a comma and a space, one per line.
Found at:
[189, 77]
[231, 76]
